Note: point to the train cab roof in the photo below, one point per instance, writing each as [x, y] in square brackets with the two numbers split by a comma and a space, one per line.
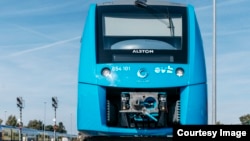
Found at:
[141, 3]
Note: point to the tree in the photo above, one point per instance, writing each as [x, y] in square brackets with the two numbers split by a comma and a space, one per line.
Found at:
[49, 128]
[218, 123]
[1, 121]
[61, 128]
[245, 119]
[11, 121]
[35, 124]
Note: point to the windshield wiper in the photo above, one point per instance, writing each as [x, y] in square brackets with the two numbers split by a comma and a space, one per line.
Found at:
[171, 24]
[141, 3]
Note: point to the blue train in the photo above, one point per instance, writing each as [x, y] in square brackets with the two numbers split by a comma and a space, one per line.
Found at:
[141, 70]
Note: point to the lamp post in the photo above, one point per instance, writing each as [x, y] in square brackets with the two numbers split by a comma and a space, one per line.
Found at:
[54, 105]
[44, 121]
[20, 105]
[71, 126]
[5, 116]
[214, 112]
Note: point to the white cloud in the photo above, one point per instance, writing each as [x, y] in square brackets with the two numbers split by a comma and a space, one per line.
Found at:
[45, 46]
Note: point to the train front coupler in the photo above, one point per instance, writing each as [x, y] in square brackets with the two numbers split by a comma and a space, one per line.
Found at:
[143, 109]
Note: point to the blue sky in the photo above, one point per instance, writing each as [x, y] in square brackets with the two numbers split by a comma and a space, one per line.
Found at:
[39, 53]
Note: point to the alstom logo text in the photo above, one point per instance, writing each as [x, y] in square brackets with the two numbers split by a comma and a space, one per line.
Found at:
[146, 51]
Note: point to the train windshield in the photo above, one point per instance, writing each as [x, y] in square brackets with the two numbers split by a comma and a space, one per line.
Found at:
[141, 34]
[144, 25]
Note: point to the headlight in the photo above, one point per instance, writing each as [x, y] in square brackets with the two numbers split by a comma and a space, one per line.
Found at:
[106, 72]
[179, 72]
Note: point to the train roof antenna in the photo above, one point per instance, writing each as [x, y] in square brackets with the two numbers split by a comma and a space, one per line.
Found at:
[141, 3]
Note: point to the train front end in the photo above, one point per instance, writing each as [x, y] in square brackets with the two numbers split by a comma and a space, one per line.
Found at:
[141, 71]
